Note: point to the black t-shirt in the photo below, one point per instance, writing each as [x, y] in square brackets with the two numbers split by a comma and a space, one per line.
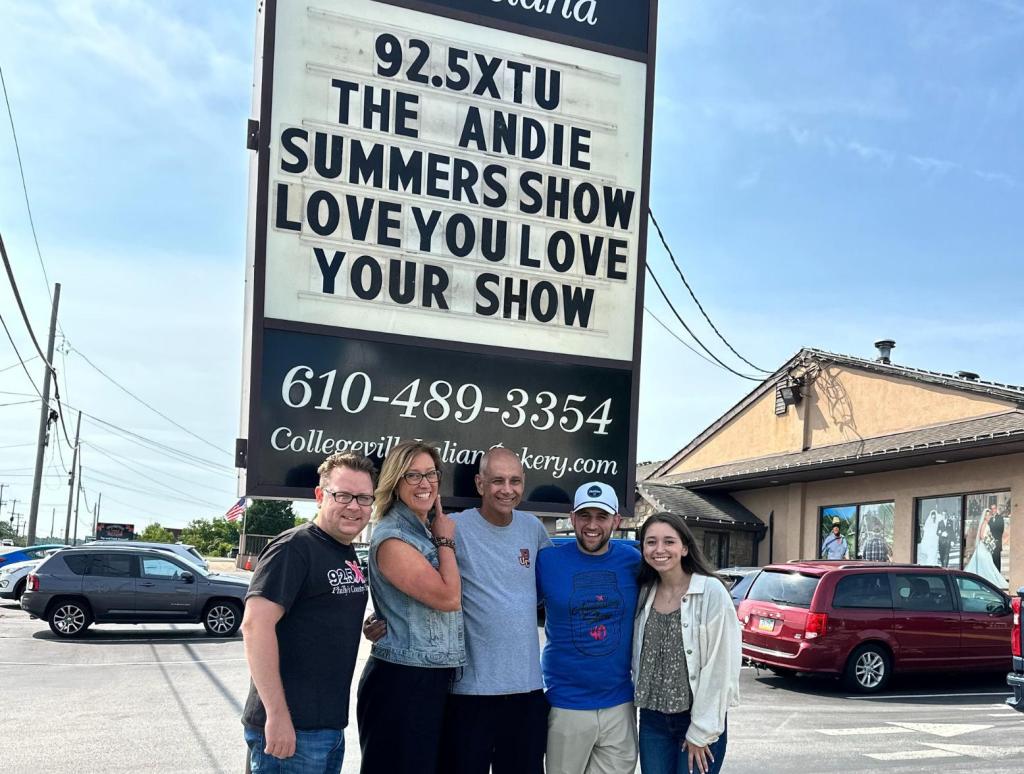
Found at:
[318, 582]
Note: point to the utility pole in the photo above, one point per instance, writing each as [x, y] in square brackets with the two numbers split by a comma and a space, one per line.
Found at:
[44, 422]
[53, 516]
[2, 496]
[78, 497]
[71, 480]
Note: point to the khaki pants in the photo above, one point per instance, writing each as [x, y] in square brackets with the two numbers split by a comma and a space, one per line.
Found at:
[592, 741]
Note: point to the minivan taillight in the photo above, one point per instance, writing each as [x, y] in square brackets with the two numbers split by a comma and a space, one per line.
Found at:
[816, 626]
[32, 583]
[1015, 632]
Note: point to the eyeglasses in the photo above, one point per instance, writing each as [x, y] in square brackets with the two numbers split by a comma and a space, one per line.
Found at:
[344, 498]
[413, 477]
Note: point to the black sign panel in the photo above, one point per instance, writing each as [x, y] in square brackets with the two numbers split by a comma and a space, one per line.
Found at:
[323, 394]
[107, 531]
[618, 23]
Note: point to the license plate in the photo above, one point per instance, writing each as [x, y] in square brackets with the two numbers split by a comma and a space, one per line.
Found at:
[766, 624]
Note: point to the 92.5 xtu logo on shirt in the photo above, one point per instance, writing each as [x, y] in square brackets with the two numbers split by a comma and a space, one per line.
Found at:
[347, 580]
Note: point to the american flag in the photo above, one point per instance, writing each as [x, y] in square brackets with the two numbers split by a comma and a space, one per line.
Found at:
[235, 511]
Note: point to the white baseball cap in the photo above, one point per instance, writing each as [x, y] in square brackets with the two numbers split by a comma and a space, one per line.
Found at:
[596, 495]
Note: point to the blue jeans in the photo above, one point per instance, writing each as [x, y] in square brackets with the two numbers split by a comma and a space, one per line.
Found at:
[661, 744]
[316, 752]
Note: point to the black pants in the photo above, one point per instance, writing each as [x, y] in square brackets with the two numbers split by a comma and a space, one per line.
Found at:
[508, 733]
[400, 711]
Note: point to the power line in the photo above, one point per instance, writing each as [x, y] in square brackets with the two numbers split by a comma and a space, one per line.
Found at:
[21, 304]
[692, 334]
[131, 487]
[148, 471]
[10, 338]
[24, 187]
[19, 363]
[693, 295]
[170, 451]
[144, 403]
[18, 403]
[677, 337]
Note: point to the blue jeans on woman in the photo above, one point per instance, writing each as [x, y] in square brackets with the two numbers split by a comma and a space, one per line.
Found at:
[662, 749]
[316, 752]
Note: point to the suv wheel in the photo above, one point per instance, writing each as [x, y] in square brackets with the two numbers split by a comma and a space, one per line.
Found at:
[223, 618]
[69, 618]
[869, 669]
[19, 590]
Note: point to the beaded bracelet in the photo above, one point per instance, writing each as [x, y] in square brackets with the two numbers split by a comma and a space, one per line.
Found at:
[443, 542]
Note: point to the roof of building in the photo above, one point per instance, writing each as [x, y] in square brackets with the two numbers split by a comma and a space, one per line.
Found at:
[645, 469]
[698, 506]
[1013, 394]
[953, 435]
[977, 386]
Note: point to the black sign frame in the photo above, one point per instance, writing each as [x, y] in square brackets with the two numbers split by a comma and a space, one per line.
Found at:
[249, 453]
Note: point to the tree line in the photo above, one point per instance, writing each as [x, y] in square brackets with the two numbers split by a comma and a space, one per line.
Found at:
[217, 536]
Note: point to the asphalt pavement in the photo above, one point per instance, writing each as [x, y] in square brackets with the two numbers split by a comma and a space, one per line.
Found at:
[167, 698]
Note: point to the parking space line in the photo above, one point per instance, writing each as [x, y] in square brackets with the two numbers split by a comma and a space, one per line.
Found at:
[911, 755]
[123, 663]
[874, 730]
[897, 697]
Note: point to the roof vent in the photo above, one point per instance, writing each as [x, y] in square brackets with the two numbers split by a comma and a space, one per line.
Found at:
[968, 375]
[885, 348]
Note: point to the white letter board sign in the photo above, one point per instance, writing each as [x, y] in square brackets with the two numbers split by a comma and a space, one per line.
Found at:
[447, 229]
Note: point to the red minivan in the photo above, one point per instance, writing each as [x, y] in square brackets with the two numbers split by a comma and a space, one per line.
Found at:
[865, 620]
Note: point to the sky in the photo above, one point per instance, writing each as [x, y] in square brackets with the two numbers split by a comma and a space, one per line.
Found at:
[827, 172]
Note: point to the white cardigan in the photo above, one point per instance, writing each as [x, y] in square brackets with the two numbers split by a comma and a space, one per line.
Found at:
[711, 636]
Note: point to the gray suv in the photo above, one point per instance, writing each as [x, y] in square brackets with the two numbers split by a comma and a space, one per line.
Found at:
[110, 584]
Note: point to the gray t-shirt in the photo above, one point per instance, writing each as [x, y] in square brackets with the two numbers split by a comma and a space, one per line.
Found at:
[499, 603]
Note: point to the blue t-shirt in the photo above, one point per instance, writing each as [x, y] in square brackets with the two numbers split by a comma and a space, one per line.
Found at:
[590, 602]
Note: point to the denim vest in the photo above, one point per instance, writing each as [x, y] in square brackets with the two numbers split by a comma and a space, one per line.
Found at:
[417, 635]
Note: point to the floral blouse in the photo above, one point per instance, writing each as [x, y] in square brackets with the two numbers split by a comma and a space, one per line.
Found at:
[663, 683]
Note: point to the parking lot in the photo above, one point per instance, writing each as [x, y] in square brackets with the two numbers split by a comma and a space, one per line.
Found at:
[167, 699]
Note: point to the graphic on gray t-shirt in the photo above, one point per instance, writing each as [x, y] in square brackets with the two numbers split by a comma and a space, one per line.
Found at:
[499, 603]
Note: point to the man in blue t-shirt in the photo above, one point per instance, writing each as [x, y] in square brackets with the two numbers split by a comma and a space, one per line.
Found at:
[589, 590]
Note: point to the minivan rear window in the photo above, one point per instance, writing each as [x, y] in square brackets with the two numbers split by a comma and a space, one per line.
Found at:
[784, 588]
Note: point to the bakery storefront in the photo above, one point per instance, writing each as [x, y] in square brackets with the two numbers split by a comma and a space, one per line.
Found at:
[845, 457]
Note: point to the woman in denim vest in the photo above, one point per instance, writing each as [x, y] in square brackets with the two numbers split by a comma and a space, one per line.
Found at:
[686, 653]
[415, 586]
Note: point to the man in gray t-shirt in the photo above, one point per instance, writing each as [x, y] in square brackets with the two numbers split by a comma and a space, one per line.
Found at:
[496, 718]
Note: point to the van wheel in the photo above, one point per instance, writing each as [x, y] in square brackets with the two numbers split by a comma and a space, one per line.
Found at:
[223, 618]
[869, 669]
[69, 618]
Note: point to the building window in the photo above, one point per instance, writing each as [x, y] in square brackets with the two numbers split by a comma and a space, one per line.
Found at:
[966, 531]
[938, 531]
[716, 548]
[857, 532]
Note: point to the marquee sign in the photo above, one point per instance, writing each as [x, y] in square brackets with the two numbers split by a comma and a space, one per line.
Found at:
[446, 233]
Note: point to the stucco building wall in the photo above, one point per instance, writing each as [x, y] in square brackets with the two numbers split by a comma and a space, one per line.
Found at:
[797, 506]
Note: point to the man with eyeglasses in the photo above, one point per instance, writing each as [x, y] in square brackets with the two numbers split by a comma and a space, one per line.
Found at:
[303, 615]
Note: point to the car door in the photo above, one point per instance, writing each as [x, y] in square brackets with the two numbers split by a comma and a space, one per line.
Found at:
[109, 585]
[986, 619]
[165, 589]
[926, 623]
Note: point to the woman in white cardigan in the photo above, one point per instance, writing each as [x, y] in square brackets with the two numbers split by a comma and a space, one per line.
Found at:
[686, 653]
